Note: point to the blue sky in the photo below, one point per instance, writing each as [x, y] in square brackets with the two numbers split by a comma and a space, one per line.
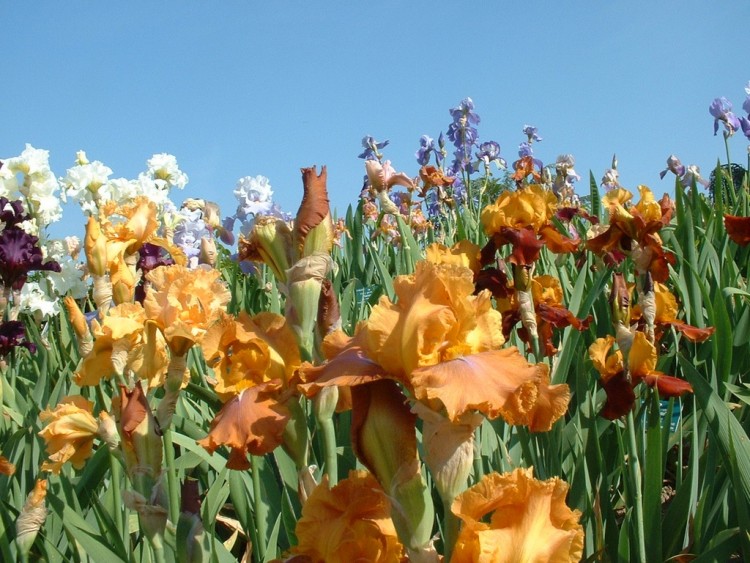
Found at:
[246, 88]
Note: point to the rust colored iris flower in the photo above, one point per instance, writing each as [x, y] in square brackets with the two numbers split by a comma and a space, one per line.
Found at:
[550, 312]
[738, 229]
[254, 360]
[618, 382]
[69, 433]
[349, 522]
[523, 219]
[513, 517]
[633, 231]
[184, 303]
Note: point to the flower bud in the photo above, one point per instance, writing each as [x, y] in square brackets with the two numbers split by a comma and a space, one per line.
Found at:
[32, 516]
[269, 242]
[313, 226]
[95, 247]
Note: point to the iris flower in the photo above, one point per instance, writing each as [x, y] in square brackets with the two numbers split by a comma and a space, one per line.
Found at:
[254, 360]
[633, 231]
[19, 251]
[524, 219]
[349, 522]
[13, 335]
[618, 379]
[69, 433]
[514, 517]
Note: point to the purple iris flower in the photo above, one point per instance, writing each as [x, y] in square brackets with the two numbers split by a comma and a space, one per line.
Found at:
[19, 252]
[524, 149]
[426, 147]
[721, 110]
[489, 152]
[150, 258]
[746, 105]
[530, 132]
[674, 165]
[459, 190]
[463, 134]
[13, 335]
[372, 148]
[745, 126]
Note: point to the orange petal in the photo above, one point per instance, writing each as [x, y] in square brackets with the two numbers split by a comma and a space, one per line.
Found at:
[349, 522]
[551, 404]
[692, 333]
[494, 382]
[557, 242]
[251, 422]
[514, 517]
[668, 386]
[350, 368]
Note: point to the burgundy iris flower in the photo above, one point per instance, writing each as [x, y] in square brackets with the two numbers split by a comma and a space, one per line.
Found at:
[19, 251]
[13, 335]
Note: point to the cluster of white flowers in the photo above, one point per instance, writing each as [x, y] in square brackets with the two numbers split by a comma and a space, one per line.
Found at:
[164, 170]
[88, 183]
[29, 178]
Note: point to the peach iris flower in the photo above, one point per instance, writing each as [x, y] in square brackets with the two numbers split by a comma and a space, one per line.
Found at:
[183, 303]
[442, 343]
[641, 367]
[515, 518]
[124, 341]
[254, 360]
[350, 522]
[69, 434]
[6, 467]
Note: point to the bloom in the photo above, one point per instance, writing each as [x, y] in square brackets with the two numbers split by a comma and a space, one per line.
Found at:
[349, 522]
[514, 517]
[183, 303]
[721, 110]
[69, 434]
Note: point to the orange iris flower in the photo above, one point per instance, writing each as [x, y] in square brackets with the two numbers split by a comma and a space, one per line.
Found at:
[513, 517]
[254, 360]
[349, 522]
[69, 433]
[183, 303]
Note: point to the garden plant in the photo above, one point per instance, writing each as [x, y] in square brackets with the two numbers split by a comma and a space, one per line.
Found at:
[478, 360]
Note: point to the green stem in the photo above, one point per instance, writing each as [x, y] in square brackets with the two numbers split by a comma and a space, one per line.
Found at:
[173, 488]
[329, 447]
[157, 546]
[451, 527]
[478, 466]
[260, 508]
[635, 472]
[729, 170]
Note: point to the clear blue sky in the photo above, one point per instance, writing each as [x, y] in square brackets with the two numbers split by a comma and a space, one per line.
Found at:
[246, 88]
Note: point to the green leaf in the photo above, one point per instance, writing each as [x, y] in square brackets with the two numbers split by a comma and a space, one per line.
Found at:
[725, 429]
[95, 545]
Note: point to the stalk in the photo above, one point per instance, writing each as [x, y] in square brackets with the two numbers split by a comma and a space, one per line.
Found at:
[260, 508]
[173, 488]
[451, 527]
[635, 473]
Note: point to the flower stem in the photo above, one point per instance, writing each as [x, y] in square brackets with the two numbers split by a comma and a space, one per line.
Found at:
[451, 527]
[637, 497]
[172, 484]
[260, 508]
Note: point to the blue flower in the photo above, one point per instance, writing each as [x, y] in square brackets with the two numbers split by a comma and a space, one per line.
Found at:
[426, 146]
[489, 152]
[372, 148]
[721, 110]
[524, 149]
[530, 132]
